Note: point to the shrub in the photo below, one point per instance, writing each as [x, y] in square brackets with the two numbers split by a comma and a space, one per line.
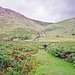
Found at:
[66, 52]
[17, 59]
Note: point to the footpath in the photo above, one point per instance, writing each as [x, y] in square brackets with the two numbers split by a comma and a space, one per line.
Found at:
[51, 65]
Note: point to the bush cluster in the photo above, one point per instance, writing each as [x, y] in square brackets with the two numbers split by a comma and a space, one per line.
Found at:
[65, 52]
[17, 59]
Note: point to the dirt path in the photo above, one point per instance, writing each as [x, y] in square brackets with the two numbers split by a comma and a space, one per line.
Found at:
[50, 65]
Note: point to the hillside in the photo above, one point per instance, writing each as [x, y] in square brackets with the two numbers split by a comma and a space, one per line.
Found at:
[43, 23]
[64, 29]
[13, 25]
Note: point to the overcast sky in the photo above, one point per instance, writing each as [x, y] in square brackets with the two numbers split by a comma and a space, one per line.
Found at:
[43, 10]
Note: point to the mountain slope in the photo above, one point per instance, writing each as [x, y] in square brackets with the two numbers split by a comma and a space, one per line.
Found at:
[14, 24]
[63, 29]
[11, 17]
[43, 23]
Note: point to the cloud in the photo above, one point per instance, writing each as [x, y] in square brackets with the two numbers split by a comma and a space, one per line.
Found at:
[44, 10]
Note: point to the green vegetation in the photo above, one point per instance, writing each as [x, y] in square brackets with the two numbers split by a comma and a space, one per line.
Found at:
[16, 58]
[21, 46]
[51, 65]
[16, 26]
[65, 30]
[21, 33]
[66, 52]
[29, 57]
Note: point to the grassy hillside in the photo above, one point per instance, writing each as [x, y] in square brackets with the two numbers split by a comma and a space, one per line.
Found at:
[14, 24]
[63, 29]
[43, 23]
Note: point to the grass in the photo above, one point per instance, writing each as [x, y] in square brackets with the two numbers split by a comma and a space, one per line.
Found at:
[28, 28]
[50, 65]
[59, 28]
